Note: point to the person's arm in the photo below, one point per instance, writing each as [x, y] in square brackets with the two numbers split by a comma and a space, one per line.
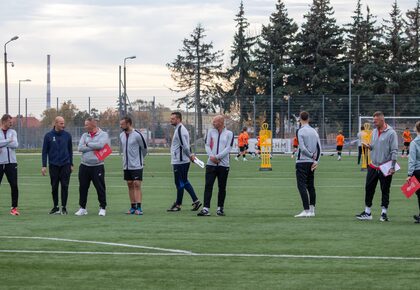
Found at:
[14, 142]
[302, 147]
[82, 145]
[207, 144]
[45, 149]
[185, 142]
[142, 144]
[100, 143]
[70, 148]
[4, 143]
[412, 159]
[227, 149]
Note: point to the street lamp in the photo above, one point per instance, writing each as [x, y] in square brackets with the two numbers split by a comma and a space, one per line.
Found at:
[19, 115]
[125, 84]
[5, 74]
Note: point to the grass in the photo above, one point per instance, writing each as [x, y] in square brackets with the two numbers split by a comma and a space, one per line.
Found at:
[259, 207]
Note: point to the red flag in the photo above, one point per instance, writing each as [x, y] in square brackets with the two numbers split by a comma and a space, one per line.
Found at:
[410, 187]
[103, 153]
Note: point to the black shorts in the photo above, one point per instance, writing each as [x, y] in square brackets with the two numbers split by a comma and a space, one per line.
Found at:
[136, 174]
[407, 144]
[339, 148]
[296, 147]
[242, 149]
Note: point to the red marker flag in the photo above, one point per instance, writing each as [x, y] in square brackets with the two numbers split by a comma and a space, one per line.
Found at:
[410, 187]
[103, 153]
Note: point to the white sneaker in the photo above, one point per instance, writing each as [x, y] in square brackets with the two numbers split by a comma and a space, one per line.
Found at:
[236, 158]
[102, 212]
[311, 211]
[304, 213]
[339, 158]
[245, 159]
[81, 211]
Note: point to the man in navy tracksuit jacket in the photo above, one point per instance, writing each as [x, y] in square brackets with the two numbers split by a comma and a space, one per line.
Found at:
[58, 149]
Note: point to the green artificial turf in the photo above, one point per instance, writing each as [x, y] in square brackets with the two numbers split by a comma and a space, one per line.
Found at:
[259, 220]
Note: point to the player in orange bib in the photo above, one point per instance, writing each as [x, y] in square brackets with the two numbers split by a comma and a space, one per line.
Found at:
[340, 143]
[243, 144]
[407, 140]
[295, 146]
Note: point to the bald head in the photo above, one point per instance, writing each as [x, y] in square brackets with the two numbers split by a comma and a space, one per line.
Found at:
[219, 122]
[59, 124]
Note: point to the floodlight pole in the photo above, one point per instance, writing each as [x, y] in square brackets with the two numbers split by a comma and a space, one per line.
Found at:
[272, 116]
[6, 89]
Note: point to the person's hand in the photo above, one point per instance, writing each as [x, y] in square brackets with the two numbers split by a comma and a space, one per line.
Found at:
[408, 178]
[214, 159]
[71, 168]
[192, 157]
[44, 171]
[314, 166]
[391, 171]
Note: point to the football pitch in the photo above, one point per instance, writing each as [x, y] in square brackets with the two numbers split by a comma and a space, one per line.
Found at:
[257, 245]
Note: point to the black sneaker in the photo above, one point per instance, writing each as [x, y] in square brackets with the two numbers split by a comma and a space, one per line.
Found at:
[196, 205]
[416, 219]
[203, 212]
[364, 216]
[55, 210]
[220, 212]
[384, 217]
[174, 208]
[63, 211]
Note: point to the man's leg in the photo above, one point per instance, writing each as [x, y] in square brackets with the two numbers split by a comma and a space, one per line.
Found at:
[310, 185]
[98, 179]
[359, 156]
[222, 177]
[55, 180]
[179, 184]
[12, 178]
[301, 177]
[187, 185]
[137, 193]
[372, 178]
[65, 172]
[208, 188]
[84, 183]
[385, 182]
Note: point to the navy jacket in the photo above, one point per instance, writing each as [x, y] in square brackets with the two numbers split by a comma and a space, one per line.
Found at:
[58, 148]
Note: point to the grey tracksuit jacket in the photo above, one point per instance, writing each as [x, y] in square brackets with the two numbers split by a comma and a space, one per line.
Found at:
[180, 147]
[219, 145]
[414, 158]
[309, 145]
[88, 144]
[134, 150]
[8, 146]
[384, 147]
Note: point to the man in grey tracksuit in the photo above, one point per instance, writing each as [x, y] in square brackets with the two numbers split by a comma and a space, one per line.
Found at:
[309, 152]
[91, 168]
[181, 157]
[219, 142]
[384, 148]
[134, 151]
[8, 163]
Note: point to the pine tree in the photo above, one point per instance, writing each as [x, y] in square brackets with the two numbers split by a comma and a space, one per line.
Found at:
[240, 70]
[195, 71]
[412, 30]
[319, 51]
[395, 44]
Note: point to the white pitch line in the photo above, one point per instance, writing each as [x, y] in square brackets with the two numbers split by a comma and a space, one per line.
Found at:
[320, 257]
[99, 243]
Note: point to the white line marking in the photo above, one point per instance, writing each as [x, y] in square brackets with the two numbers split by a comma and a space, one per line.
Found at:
[98, 243]
[320, 257]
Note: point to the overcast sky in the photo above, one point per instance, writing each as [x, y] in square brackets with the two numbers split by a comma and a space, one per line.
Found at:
[87, 40]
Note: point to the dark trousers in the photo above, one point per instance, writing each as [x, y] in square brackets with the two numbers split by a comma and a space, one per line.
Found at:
[213, 172]
[60, 175]
[181, 182]
[359, 156]
[10, 170]
[305, 182]
[96, 175]
[372, 178]
[417, 175]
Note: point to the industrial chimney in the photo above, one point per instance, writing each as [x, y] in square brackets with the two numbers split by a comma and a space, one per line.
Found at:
[48, 83]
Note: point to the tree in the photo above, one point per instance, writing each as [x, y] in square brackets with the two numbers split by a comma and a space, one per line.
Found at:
[195, 71]
[68, 111]
[319, 52]
[274, 47]
[48, 117]
[412, 30]
[395, 44]
[240, 61]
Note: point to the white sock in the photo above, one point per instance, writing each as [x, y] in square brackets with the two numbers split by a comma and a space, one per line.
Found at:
[219, 208]
[206, 209]
[367, 210]
[384, 210]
